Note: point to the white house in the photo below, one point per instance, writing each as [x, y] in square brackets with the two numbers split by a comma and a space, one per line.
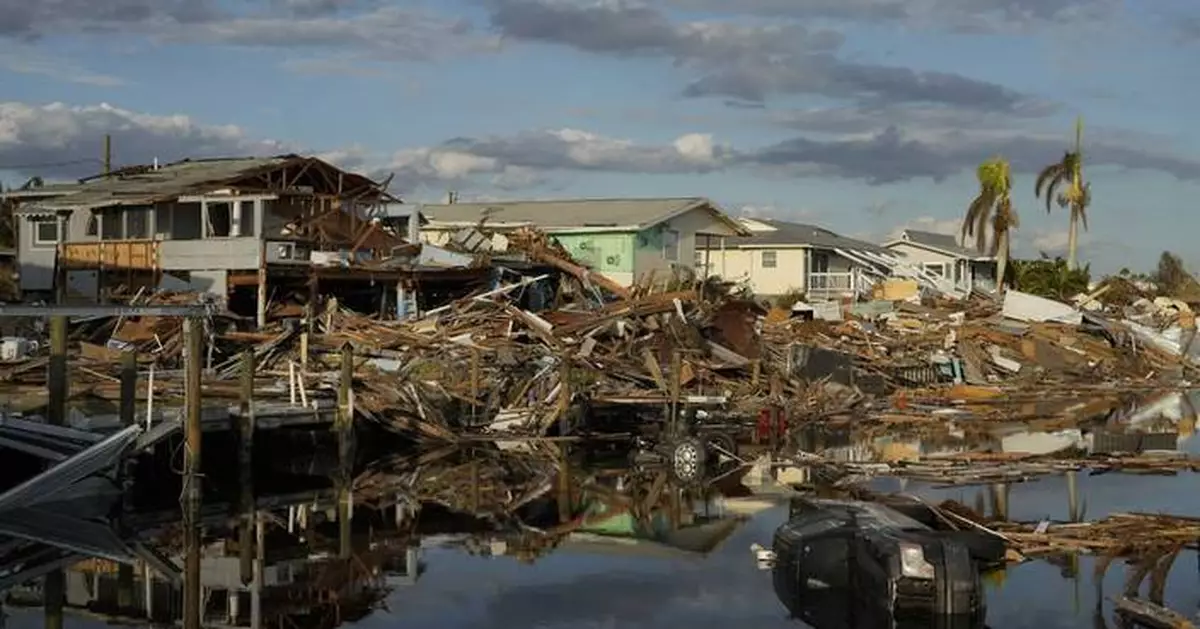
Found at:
[943, 256]
[781, 257]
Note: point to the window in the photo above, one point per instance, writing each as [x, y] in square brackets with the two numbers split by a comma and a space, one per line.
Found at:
[937, 269]
[45, 231]
[671, 245]
[220, 219]
[820, 262]
[770, 259]
[93, 226]
[137, 223]
[111, 227]
[246, 219]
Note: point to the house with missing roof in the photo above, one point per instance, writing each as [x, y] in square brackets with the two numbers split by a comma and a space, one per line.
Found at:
[222, 226]
[943, 256]
[779, 257]
[625, 239]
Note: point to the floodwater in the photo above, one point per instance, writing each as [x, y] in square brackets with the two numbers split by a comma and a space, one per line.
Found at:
[616, 577]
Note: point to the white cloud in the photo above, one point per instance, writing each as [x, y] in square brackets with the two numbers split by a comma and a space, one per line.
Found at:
[63, 140]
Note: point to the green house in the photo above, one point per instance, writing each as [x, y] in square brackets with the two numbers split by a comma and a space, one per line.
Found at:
[624, 239]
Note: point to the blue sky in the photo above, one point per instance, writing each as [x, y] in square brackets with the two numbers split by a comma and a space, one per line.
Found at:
[864, 116]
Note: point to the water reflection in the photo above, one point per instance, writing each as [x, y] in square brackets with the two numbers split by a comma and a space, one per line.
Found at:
[486, 537]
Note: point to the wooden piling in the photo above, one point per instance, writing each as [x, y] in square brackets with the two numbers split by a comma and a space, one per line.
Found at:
[345, 432]
[565, 508]
[54, 594]
[57, 383]
[246, 469]
[345, 415]
[676, 385]
[192, 602]
[54, 585]
[129, 376]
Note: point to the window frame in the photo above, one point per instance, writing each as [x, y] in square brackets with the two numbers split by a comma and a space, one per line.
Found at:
[38, 241]
[762, 261]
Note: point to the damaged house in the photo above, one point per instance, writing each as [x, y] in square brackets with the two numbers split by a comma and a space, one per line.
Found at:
[624, 239]
[241, 228]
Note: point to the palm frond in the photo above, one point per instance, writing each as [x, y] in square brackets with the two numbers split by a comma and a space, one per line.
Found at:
[1050, 178]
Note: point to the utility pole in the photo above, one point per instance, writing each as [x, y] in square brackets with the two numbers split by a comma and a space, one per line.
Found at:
[107, 153]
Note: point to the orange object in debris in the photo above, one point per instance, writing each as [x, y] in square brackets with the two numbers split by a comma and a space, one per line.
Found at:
[901, 400]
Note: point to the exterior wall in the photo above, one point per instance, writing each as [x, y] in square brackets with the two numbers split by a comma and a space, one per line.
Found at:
[920, 255]
[922, 258]
[746, 265]
[210, 254]
[609, 253]
[650, 243]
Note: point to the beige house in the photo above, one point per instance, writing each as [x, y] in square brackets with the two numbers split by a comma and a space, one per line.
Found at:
[941, 255]
[625, 239]
[781, 257]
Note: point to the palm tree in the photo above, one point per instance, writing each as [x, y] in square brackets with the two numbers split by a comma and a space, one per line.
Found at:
[992, 205]
[1077, 196]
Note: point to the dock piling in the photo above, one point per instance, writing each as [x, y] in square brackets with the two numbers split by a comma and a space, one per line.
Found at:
[192, 602]
[246, 469]
[54, 586]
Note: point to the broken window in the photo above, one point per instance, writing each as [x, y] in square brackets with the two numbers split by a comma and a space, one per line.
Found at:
[162, 221]
[185, 222]
[220, 219]
[137, 223]
[671, 245]
[111, 225]
[246, 219]
[45, 231]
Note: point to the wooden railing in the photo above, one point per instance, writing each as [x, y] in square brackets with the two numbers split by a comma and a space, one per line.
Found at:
[109, 254]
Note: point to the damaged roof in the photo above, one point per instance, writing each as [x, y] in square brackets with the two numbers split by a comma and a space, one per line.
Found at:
[941, 243]
[576, 214]
[142, 185]
[783, 234]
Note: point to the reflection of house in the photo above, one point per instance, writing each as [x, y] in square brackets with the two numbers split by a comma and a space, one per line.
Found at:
[943, 256]
[214, 225]
[624, 239]
[781, 257]
[617, 531]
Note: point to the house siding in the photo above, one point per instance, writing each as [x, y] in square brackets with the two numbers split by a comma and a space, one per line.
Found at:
[746, 265]
[919, 255]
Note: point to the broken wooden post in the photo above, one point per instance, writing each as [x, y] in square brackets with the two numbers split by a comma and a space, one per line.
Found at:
[54, 586]
[129, 376]
[260, 554]
[676, 377]
[565, 509]
[194, 344]
[1074, 514]
[305, 331]
[246, 469]
[54, 594]
[57, 381]
[345, 415]
[999, 493]
[345, 432]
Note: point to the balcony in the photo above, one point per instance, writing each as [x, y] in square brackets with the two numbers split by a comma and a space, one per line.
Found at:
[110, 254]
[826, 285]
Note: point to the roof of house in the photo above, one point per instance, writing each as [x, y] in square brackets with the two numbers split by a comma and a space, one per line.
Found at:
[576, 214]
[141, 185]
[786, 234]
[943, 243]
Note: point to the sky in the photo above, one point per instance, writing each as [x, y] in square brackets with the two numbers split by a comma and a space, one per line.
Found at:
[862, 116]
